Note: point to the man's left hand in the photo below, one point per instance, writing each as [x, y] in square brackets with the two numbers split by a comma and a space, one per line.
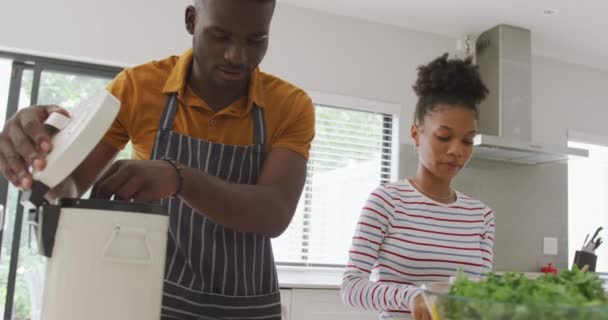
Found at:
[138, 180]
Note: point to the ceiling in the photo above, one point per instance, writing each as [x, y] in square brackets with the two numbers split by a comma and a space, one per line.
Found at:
[576, 33]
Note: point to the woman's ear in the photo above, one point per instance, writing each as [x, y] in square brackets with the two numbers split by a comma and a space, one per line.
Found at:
[415, 133]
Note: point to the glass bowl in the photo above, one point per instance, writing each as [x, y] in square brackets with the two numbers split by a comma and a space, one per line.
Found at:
[444, 306]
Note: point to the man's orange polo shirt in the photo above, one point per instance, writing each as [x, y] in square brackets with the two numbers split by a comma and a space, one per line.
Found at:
[143, 92]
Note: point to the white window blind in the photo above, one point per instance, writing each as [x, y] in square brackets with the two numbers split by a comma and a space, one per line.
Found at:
[352, 153]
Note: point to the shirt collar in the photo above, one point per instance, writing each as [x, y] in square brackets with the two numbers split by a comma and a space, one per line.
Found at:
[177, 82]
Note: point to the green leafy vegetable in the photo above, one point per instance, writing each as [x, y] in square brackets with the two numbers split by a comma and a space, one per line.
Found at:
[572, 295]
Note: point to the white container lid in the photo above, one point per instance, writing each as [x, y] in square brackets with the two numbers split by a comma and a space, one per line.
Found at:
[77, 136]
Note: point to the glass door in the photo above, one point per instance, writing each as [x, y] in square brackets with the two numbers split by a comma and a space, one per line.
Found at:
[23, 84]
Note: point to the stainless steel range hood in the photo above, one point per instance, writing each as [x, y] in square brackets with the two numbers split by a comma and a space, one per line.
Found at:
[503, 55]
[495, 148]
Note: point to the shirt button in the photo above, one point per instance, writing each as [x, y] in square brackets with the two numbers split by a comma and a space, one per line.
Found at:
[212, 122]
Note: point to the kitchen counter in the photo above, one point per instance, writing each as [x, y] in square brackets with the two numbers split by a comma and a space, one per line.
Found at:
[310, 278]
[326, 278]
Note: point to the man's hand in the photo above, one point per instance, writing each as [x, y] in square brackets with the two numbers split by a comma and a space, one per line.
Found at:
[24, 142]
[419, 309]
[138, 180]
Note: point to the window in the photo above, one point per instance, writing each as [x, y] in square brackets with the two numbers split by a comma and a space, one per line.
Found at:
[352, 153]
[5, 80]
[587, 201]
[26, 80]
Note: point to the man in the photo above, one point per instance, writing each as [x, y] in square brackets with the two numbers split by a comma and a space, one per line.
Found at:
[222, 144]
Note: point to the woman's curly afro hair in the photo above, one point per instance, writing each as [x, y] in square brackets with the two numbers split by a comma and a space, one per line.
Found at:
[454, 82]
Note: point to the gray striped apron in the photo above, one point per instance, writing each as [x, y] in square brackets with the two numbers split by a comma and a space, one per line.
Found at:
[211, 271]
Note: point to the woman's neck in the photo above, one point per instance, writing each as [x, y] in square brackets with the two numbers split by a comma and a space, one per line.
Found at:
[431, 186]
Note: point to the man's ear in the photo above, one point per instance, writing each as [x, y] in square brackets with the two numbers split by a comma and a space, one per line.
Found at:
[190, 19]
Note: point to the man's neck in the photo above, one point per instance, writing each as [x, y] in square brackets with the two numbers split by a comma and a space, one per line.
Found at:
[216, 97]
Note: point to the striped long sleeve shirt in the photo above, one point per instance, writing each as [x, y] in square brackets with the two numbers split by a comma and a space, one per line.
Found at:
[404, 239]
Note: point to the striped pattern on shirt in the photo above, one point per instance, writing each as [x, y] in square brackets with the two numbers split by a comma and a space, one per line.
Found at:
[404, 239]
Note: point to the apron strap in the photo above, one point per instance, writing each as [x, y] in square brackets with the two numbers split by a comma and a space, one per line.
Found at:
[166, 121]
[259, 125]
[165, 125]
[168, 117]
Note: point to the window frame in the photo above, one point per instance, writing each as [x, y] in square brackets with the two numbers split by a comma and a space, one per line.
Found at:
[591, 139]
[38, 64]
[388, 110]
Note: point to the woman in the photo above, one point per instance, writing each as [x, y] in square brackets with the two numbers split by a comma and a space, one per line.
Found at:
[419, 229]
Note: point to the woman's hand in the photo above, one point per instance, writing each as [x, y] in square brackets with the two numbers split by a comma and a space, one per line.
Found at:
[419, 309]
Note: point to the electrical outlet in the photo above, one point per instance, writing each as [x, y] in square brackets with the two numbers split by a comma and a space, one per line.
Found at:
[550, 246]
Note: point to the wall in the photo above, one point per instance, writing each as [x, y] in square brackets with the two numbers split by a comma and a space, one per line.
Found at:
[110, 31]
[345, 56]
[529, 202]
[348, 57]
[316, 51]
[567, 96]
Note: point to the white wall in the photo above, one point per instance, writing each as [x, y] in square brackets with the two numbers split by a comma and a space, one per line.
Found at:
[318, 51]
[119, 32]
[567, 96]
[314, 50]
[529, 202]
[345, 56]
[348, 57]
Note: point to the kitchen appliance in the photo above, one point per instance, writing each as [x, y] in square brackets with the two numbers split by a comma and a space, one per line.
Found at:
[105, 258]
[504, 56]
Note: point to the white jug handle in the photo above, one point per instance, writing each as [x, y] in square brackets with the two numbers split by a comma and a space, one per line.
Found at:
[133, 232]
[57, 120]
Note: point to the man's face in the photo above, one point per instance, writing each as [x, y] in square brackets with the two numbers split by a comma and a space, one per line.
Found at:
[230, 38]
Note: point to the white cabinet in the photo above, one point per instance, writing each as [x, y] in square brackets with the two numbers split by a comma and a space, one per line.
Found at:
[286, 304]
[323, 304]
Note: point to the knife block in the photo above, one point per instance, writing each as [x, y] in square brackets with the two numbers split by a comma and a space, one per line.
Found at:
[582, 258]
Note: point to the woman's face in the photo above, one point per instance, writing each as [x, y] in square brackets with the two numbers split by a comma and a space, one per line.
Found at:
[444, 139]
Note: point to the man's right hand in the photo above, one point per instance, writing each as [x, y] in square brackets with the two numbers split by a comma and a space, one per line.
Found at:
[24, 142]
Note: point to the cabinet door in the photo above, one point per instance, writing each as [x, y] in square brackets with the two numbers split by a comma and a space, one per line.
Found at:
[286, 304]
[309, 304]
